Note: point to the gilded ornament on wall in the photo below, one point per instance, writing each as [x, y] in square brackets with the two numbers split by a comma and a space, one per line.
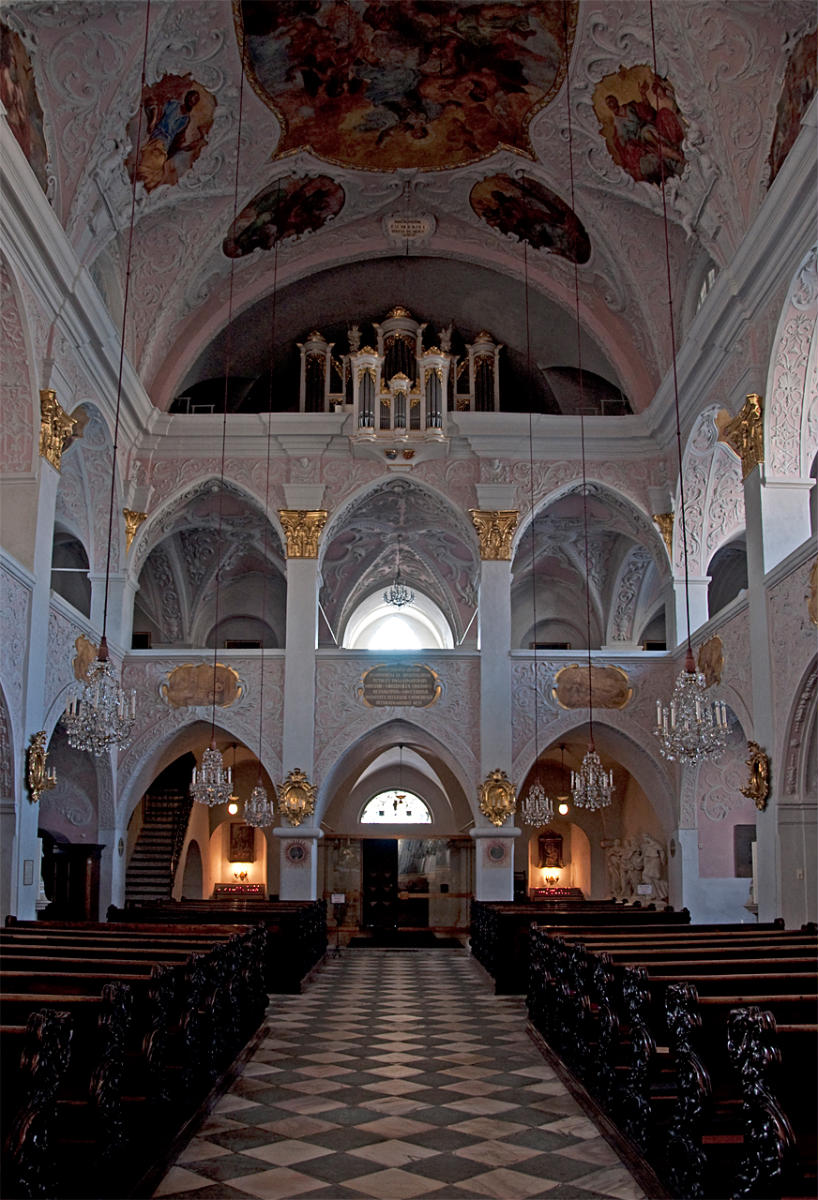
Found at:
[133, 520]
[38, 777]
[498, 799]
[193, 685]
[758, 785]
[86, 654]
[302, 528]
[296, 797]
[665, 523]
[56, 427]
[812, 602]
[611, 687]
[710, 661]
[744, 433]
[495, 529]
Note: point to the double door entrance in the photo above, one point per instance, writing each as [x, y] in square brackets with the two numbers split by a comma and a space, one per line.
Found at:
[414, 882]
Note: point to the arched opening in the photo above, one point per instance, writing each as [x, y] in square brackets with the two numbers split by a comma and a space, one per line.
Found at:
[396, 807]
[69, 571]
[376, 625]
[192, 876]
[728, 575]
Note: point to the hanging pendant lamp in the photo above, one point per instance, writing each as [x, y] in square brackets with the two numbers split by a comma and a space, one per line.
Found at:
[398, 594]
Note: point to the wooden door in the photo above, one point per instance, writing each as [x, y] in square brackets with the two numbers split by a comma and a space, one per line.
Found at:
[379, 869]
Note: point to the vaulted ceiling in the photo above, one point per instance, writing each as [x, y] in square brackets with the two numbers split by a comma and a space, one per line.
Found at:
[421, 147]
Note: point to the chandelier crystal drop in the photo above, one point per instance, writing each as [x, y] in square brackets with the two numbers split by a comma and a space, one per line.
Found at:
[398, 594]
[102, 714]
[258, 811]
[691, 728]
[212, 782]
[591, 785]
[537, 808]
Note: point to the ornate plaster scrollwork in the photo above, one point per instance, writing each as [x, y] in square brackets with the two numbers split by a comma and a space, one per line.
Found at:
[664, 521]
[744, 434]
[758, 785]
[56, 427]
[495, 530]
[303, 529]
[133, 520]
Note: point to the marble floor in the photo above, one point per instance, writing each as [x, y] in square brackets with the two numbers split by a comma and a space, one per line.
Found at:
[397, 1074]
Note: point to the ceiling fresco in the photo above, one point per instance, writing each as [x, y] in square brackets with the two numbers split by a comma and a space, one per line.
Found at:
[531, 212]
[177, 116]
[290, 207]
[379, 86]
[641, 123]
[800, 84]
[18, 92]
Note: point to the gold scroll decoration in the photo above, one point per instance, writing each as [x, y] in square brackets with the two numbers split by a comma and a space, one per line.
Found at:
[38, 777]
[758, 785]
[296, 797]
[302, 527]
[192, 685]
[56, 427]
[744, 433]
[403, 685]
[611, 687]
[86, 654]
[812, 601]
[498, 800]
[710, 661]
[133, 520]
[495, 529]
[665, 523]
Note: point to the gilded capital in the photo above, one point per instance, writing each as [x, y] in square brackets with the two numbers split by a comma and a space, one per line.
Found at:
[744, 434]
[302, 527]
[495, 529]
[665, 523]
[133, 520]
[56, 427]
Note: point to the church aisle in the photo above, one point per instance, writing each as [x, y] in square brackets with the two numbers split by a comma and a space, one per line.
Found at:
[398, 1074]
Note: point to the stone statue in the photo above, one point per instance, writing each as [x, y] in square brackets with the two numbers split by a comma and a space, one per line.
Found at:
[654, 865]
[614, 861]
[632, 864]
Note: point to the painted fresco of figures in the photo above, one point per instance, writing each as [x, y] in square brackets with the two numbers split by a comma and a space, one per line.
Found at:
[177, 115]
[290, 207]
[641, 123]
[654, 866]
[533, 213]
[800, 84]
[19, 97]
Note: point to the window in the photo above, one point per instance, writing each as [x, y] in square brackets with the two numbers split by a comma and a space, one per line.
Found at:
[374, 625]
[396, 808]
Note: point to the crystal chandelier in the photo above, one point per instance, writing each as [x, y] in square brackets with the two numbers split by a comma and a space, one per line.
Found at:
[398, 594]
[691, 728]
[591, 785]
[537, 808]
[212, 782]
[102, 714]
[258, 811]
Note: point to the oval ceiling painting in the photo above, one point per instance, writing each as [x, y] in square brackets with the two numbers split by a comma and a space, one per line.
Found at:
[641, 123]
[293, 205]
[19, 96]
[412, 83]
[533, 213]
[800, 84]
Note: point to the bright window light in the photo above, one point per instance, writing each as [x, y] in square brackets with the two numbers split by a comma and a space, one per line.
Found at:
[396, 808]
[393, 633]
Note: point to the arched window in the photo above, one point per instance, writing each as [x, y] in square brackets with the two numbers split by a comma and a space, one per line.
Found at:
[375, 625]
[396, 808]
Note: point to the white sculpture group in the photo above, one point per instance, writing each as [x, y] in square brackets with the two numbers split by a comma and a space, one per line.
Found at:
[634, 862]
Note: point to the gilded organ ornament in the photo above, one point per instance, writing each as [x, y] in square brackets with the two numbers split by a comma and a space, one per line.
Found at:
[744, 433]
[296, 797]
[302, 528]
[495, 529]
[498, 799]
[758, 785]
[56, 427]
[133, 520]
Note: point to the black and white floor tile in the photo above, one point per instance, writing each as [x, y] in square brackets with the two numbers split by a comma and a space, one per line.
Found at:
[397, 1074]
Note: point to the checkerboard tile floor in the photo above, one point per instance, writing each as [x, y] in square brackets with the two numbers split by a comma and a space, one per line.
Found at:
[397, 1074]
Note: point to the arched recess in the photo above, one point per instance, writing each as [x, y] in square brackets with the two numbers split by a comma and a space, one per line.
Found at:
[727, 570]
[18, 397]
[797, 804]
[84, 491]
[628, 569]
[192, 876]
[444, 787]
[791, 411]
[210, 530]
[714, 497]
[439, 555]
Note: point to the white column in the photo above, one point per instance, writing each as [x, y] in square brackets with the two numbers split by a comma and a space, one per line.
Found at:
[761, 666]
[784, 516]
[698, 606]
[494, 861]
[111, 869]
[26, 852]
[120, 620]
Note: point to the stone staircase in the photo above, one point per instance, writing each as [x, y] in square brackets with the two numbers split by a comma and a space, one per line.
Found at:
[150, 871]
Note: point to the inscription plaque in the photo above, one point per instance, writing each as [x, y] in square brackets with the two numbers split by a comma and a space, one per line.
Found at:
[399, 685]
